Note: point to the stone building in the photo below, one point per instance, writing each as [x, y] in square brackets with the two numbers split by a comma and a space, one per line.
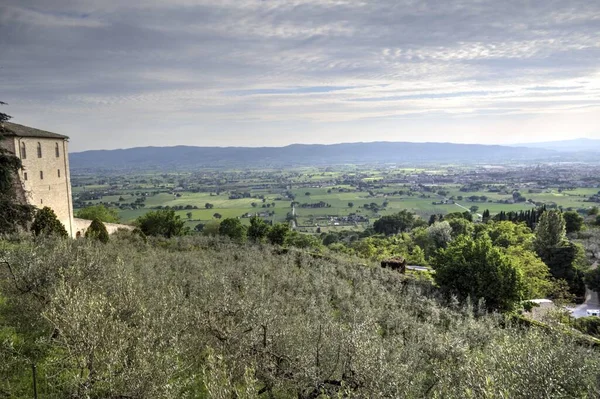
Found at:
[45, 178]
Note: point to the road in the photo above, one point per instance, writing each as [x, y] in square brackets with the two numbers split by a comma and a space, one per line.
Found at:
[467, 209]
[591, 301]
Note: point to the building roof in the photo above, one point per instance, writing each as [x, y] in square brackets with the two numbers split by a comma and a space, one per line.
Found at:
[13, 129]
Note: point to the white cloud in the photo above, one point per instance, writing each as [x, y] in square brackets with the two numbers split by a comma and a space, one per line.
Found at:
[256, 65]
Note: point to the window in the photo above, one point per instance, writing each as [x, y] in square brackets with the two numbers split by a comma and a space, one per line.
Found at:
[41, 201]
[23, 151]
[59, 173]
[25, 176]
[57, 153]
[41, 175]
[39, 149]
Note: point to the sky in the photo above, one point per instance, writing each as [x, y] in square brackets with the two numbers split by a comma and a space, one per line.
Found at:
[119, 74]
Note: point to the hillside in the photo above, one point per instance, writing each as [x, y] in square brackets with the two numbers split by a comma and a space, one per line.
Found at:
[183, 157]
[197, 317]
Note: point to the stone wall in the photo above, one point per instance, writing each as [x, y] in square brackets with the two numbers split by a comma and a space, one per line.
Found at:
[81, 225]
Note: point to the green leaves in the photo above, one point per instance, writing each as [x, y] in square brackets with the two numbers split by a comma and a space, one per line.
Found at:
[100, 212]
[474, 268]
[162, 222]
[97, 231]
[199, 316]
[46, 223]
[232, 228]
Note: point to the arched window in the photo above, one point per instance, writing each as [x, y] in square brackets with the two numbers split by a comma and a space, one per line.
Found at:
[23, 151]
[39, 148]
[56, 150]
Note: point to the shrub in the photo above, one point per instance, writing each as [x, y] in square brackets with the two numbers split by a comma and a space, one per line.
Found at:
[199, 316]
[46, 223]
[162, 222]
[97, 230]
[232, 228]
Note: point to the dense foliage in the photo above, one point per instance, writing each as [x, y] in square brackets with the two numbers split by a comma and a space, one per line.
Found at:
[199, 317]
[475, 268]
[100, 212]
[46, 223]
[13, 214]
[97, 231]
[163, 222]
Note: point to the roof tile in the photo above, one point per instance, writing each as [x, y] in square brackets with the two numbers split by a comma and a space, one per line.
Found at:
[13, 129]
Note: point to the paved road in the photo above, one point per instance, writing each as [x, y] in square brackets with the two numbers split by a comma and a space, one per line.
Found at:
[591, 301]
[294, 220]
[467, 209]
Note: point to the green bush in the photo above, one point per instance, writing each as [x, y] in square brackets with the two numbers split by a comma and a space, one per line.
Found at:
[588, 325]
[46, 223]
[163, 222]
[97, 231]
[232, 228]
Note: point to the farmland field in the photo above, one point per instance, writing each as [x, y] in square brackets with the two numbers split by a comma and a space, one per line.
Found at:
[347, 197]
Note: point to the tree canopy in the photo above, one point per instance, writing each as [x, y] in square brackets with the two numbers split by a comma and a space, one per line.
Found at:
[278, 233]
[97, 231]
[46, 223]
[258, 229]
[573, 221]
[475, 268]
[99, 212]
[162, 222]
[232, 228]
[396, 223]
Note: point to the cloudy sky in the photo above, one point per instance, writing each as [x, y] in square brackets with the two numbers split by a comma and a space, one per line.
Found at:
[116, 74]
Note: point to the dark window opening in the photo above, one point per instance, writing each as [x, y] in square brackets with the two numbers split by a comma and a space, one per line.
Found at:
[23, 151]
[41, 175]
[59, 173]
[39, 149]
[25, 176]
[56, 150]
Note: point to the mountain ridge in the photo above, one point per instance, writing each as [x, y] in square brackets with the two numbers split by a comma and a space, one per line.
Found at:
[189, 157]
[573, 145]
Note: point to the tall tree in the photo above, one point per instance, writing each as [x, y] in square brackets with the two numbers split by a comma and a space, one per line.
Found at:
[163, 222]
[13, 215]
[258, 229]
[278, 233]
[46, 223]
[573, 221]
[562, 257]
[97, 231]
[232, 228]
[440, 233]
[474, 268]
[550, 233]
[396, 223]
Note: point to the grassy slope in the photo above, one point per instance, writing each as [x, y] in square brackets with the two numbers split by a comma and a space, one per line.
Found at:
[198, 317]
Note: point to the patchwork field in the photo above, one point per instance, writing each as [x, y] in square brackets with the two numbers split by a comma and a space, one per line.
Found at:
[345, 198]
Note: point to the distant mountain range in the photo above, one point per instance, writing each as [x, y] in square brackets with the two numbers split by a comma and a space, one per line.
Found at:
[185, 157]
[581, 144]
